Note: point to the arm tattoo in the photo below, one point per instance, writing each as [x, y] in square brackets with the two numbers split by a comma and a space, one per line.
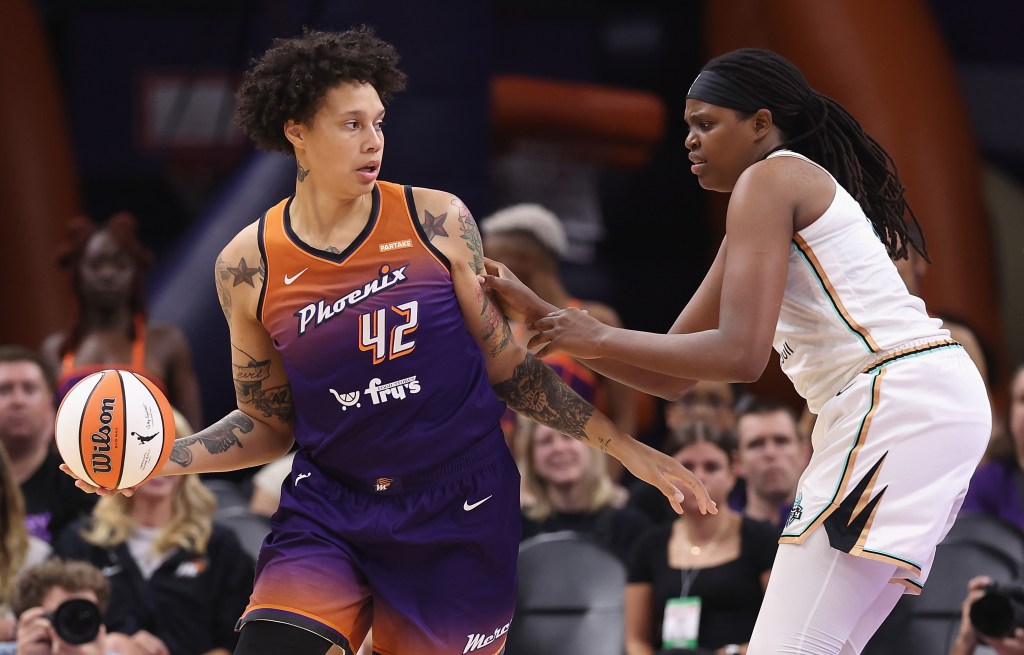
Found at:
[218, 438]
[494, 320]
[223, 292]
[243, 274]
[249, 378]
[536, 392]
[433, 226]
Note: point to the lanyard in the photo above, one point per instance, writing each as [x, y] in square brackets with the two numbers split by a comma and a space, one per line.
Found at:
[688, 577]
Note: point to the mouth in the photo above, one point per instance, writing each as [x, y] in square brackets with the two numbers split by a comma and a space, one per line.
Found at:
[370, 168]
[697, 163]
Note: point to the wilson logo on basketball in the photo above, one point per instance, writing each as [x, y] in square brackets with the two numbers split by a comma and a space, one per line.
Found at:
[101, 438]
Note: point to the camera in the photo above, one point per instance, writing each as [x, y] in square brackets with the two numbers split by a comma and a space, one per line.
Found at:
[76, 621]
[1000, 611]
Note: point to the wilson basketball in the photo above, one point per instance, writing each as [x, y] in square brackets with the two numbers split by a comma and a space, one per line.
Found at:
[114, 429]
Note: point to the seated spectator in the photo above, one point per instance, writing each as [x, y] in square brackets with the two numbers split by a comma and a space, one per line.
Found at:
[568, 488]
[968, 639]
[52, 500]
[719, 563]
[997, 488]
[18, 549]
[708, 401]
[179, 581]
[107, 267]
[41, 590]
[770, 456]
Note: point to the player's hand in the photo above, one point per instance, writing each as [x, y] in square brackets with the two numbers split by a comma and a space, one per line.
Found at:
[516, 300]
[669, 476]
[571, 330]
[92, 489]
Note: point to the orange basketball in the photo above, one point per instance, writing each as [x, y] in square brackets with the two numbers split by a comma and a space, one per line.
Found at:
[114, 429]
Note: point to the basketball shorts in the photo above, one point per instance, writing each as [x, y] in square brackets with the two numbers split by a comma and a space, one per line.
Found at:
[894, 452]
[429, 562]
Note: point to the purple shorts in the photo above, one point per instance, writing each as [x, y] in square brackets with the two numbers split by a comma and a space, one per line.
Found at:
[429, 562]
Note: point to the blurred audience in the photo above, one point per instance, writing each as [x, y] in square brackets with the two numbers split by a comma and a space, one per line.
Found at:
[266, 485]
[52, 500]
[771, 455]
[717, 563]
[997, 487]
[179, 581]
[566, 487]
[968, 639]
[107, 266]
[706, 402]
[39, 601]
[18, 549]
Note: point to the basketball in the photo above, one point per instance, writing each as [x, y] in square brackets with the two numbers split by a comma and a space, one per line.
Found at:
[114, 429]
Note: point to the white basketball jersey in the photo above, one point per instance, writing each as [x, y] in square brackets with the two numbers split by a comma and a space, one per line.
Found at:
[845, 305]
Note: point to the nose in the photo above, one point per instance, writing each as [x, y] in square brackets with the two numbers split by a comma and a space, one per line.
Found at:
[375, 140]
[690, 142]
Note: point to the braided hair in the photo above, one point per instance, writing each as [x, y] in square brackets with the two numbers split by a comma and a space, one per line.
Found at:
[822, 130]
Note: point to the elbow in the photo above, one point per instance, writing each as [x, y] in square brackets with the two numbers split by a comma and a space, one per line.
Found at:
[748, 367]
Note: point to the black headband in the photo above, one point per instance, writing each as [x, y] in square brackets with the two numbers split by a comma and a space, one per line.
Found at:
[718, 90]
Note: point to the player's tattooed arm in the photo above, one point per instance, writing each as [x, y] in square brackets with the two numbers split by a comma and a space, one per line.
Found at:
[219, 438]
[495, 331]
[222, 278]
[535, 391]
[249, 376]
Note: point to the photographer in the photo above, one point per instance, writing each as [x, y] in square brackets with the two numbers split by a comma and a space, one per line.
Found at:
[48, 624]
[969, 638]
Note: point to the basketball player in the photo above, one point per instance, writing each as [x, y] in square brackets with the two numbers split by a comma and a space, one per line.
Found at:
[358, 329]
[816, 211]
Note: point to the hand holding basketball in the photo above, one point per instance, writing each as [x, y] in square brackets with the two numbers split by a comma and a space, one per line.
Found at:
[114, 430]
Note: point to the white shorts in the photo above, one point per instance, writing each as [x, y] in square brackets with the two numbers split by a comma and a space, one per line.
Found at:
[894, 452]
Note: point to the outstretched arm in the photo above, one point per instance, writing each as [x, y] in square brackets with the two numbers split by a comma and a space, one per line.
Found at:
[524, 382]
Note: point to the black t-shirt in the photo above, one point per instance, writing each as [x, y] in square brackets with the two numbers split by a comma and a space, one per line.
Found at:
[730, 594]
[614, 529]
[191, 602]
[649, 501]
[52, 500]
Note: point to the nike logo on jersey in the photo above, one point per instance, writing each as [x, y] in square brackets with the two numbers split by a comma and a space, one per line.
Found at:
[288, 279]
[301, 476]
[469, 508]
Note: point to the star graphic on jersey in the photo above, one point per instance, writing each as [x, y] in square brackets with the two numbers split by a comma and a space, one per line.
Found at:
[243, 273]
[434, 225]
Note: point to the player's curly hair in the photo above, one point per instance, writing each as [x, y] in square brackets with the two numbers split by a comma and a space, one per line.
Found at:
[824, 131]
[291, 79]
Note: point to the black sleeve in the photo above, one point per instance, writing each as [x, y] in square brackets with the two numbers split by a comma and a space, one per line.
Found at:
[234, 584]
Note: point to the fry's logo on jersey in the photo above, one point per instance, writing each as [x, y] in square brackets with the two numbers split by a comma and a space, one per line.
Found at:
[378, 392]
[321, 311]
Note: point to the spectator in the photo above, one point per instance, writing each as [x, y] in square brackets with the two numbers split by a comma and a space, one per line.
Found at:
[26, 430]
[968, 639]
[717, 562]
[110, 330]
[179, 581]
[43, 588]
[997, 488]
[706, 402]
[18, 549]
[567, 487]
[770, 456]
[266, 485]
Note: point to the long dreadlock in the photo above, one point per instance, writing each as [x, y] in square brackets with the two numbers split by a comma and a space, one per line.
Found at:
[821, 129]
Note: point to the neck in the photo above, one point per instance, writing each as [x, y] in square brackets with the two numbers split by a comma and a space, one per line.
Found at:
[567, 497]
[114, 319]
[316, 214]
[152, 512]
[703, 528]
[26, 456]
[761, 508]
